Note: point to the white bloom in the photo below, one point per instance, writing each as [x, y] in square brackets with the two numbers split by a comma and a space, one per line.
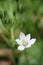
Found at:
[25, 41]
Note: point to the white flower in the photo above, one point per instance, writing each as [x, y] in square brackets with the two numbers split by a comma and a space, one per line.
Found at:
[25, 41]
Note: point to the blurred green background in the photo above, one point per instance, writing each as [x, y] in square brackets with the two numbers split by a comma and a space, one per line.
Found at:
[25, 16]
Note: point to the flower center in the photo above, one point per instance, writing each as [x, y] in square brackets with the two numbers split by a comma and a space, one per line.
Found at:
[25, 43]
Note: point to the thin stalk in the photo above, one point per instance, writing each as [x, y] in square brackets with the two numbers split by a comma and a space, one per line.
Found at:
[12, 35]
[13, 56]
[3, 27]
[5, 39]
[41, 55]
[27, 62]
[10, 4]
[12, 42]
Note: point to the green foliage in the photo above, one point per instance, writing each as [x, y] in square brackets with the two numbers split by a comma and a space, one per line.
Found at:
[26, 16]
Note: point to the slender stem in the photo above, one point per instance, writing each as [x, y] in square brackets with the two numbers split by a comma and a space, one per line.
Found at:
[27, 62]
[12, 35]
[41, 54]
[5, 39]
[10, 9]
[3, 27]
[12, 42]
[13, 56]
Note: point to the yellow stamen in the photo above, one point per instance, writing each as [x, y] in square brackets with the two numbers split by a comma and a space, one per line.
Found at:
[25, 43]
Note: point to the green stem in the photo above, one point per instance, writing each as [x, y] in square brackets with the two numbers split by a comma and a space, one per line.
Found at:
[12, 42]
[5, 39]
[13, 56]
[10, 9]
[12, 35]
[3, 27]
[27, 62]
[41, 54]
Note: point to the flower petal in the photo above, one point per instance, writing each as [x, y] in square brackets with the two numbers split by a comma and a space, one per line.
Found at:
[21, 48]
[22, 36]
[28, 46]
[19, 41]
[28, 37]
[32, 41]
